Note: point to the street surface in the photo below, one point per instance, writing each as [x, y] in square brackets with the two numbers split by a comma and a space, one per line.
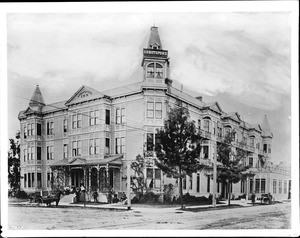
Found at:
[277, 216]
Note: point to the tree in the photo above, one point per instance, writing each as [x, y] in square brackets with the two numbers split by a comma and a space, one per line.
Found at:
[138, 183]
[177, 154]
[232, 168]
[14, 175]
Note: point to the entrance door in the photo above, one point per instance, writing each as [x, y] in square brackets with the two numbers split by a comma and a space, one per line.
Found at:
[76, 177]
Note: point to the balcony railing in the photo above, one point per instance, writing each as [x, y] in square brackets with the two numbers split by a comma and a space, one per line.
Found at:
[205, 134]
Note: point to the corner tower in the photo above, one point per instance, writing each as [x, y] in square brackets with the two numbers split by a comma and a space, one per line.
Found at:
[267, 136]
[155, 60]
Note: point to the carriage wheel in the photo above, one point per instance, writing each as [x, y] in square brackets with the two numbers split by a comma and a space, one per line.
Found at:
[39, 201]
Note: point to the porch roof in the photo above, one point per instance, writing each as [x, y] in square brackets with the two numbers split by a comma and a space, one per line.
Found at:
[111, 160]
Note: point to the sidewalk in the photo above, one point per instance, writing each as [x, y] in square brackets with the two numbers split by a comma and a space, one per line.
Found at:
[146, 208]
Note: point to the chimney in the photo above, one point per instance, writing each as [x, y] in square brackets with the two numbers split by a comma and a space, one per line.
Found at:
[199, 98]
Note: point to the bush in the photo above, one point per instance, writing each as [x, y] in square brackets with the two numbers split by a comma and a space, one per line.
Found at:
[21, 194]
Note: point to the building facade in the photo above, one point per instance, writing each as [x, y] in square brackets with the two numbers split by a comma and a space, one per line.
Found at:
[91, 137]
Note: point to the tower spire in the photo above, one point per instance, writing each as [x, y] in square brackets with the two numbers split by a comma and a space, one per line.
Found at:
[154, 39]
[37, 99]
[266, 129]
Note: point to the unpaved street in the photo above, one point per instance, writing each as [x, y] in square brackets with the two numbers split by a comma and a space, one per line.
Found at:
[68, 218]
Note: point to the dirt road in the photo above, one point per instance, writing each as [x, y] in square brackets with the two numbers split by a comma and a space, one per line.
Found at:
[276, 216]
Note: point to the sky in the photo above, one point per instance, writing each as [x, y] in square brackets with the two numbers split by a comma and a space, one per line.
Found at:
[240, 59]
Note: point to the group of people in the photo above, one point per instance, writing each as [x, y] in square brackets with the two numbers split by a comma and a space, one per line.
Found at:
[111, 198]
[269, 198]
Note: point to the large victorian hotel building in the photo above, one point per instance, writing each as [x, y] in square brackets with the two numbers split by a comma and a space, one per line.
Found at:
[90, 137]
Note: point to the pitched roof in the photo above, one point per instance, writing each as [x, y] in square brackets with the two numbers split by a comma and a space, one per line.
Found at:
[154, 38]
[124, 90]
[266, 129]
[54, 107]
[84, 93]
[37, 98]
[110, 160]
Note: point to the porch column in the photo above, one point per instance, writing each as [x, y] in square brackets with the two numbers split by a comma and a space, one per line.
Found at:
[84, 177]
[107, 175]
[89, 178]
[247, 188]
[70, 179]
[98, 177]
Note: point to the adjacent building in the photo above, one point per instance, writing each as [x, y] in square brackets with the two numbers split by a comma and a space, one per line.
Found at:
[92, 136]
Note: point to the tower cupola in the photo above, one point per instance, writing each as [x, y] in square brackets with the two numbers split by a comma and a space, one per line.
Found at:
[155, 60]
[37, 100]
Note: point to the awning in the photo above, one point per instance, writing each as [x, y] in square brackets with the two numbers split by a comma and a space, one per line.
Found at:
[111, 160]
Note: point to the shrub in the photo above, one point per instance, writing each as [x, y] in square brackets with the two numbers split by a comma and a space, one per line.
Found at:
[21, 194]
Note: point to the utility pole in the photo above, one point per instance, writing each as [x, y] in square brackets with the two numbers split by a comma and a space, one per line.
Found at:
[215, 179]
[128, 186]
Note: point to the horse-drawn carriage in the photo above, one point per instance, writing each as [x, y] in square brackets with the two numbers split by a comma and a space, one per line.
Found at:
[48, 199]
[267, 199]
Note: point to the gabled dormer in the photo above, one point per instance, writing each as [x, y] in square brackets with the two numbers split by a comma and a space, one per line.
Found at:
[83, 94]
[155, 60]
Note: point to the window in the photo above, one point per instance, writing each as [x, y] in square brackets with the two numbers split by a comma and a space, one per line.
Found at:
[39, 153]
[29, 180]
[39, 129]
[198, 183]
[280, 187]
[123, 115]
[50, 127]
[97, 145]
[199, 125]
[274, 186]
[107, 117]
[48, 180]
[91, 147]
[32, 129]
[151, 141]
[25, 154]
[39, 180]
[25, 132]
[65, 150]
[29, 153]
[227, 130]
[32, 179]
[49, 152]
[184, 182]
[158, 110]
[76, 148]
[97, 117]
[251, 142]
[265, 148]
[25, 180]
[29, 129]
[74, 121]
[257, 185]
[79, 147]
[122, 145]
[208, 183]
[32, 153]
[285, 187]
[150, 109]
[118, 146]
[251, 185]
[79, 118]
[65, 125]
[107, 145]
[250, 162]
[92, 118]
[155, 70]
[157, 174]
[263, 185]
[118, 116]
[150, 70]
[214, 128]
[149, 173]
[269, 149]
[191, 182]
[159, 70]
[206, 125]
[205, 151]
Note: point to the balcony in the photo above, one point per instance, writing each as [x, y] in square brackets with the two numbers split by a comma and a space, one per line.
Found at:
[205, 134]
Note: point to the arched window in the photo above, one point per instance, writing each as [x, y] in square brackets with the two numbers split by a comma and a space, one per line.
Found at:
[155, 70]
[159, 71]
[150, 70]
[207, 124]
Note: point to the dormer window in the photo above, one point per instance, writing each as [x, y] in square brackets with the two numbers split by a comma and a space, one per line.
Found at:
[155, 70]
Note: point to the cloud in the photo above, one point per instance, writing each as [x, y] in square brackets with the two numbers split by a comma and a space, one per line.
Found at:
[244, 54]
